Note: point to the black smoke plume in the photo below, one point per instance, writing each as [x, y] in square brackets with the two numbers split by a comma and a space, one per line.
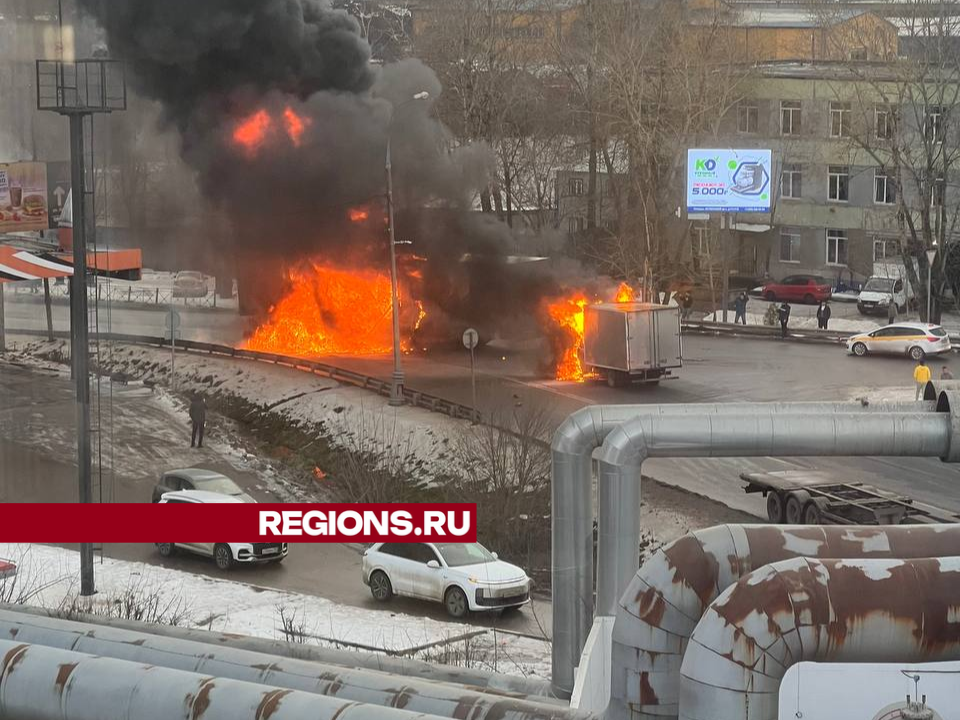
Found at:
[213, 64]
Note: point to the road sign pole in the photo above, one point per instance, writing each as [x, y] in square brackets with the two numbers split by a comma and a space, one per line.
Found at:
[473, 380]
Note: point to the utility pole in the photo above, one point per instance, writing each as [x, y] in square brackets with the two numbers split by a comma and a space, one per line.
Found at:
[78, 90]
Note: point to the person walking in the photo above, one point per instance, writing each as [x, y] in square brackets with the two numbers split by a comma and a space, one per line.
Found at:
[945, 373]
[198, 417]
[740, 305]
[686, 302]
[891, 313]
[783, 315]
[823, 315]
[921, 376]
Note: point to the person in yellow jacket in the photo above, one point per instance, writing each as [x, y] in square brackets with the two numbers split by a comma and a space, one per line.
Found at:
[921, 376]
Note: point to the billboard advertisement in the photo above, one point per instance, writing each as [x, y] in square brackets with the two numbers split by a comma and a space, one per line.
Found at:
[728, 181]
[23, 197]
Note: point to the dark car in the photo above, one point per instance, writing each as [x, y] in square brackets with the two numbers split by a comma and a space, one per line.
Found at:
[810, 289]
[198, 479]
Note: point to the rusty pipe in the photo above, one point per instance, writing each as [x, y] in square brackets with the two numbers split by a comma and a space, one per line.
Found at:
[370, 687]
[481, 680]
[670, 592]
[810, 610]
[572, 500]
[42, 683]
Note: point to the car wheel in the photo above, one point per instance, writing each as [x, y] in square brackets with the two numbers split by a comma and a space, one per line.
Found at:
[859, 349]
[917, 353]
[222, 556]
[775, 508]
[380, 586]
[809, 299]
[165, 549]
[771, 296]
[456, 603]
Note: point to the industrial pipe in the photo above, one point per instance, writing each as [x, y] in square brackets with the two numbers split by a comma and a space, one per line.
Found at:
[807, 610]
[677, 583]
[757, 434]
[41, 683]
[370, 687]
[572, 501]
[482, 680]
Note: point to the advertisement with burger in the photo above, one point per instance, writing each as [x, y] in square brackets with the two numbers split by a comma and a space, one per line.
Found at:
[23, 197]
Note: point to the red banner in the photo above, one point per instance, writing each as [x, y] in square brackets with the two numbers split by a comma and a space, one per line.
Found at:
[246, 522]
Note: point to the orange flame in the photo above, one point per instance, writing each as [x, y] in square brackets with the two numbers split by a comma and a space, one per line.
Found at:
[296, 126]
[625, 294]
[251, 132]
[332, 311]
[358, 215]
[568, 314]
[319, 474]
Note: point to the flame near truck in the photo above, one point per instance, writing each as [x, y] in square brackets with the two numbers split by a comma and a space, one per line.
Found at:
[632, 342]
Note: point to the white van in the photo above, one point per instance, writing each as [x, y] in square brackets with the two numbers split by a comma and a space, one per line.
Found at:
[879, 292]
[224, 554]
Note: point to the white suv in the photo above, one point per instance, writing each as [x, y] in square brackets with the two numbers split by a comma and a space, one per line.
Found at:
[224, 554]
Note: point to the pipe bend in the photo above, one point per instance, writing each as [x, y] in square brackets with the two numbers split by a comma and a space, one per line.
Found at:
[580, 432]
[625, 445]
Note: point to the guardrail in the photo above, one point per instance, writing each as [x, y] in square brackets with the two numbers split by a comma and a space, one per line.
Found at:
[367, 382]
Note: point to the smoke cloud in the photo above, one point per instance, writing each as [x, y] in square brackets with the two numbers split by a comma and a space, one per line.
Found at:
[214, 64]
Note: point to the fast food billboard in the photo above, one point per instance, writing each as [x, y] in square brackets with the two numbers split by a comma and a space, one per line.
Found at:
[23, 197]
[728, 181]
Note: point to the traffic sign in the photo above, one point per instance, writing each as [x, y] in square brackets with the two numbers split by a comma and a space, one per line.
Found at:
[173, 319]
[470, 338]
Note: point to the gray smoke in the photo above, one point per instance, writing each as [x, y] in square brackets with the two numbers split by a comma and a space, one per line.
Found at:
[213, 63]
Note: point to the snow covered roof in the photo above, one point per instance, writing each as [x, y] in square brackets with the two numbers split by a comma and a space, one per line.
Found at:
[780, 17]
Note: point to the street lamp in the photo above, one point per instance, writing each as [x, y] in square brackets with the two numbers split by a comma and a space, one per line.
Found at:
[931, 254]
[396, 386]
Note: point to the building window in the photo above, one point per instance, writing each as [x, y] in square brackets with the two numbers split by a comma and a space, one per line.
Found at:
[885, 250]
[790, 245]
[748, 118]
[836, 247]
[576, 186]
[883, 123]
[791, 181]
[838, 188]
[839, 119]
[575, 224]
[789, 117]
[933, 127]
[938, 192]
[858, 54]
[884, 188]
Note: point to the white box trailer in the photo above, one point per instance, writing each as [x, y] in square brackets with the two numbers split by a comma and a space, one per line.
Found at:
[631, 342]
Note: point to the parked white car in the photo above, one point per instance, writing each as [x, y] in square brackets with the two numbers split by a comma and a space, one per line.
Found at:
[189, 283]
[464, 577]
[914, 339]
[225, 555]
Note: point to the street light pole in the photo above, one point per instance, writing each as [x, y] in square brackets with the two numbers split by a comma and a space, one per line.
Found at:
[931, 254]
[396, 385]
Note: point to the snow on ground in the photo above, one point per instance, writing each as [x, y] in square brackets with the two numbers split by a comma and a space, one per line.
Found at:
[840, 324]
[410, 439]
[47, 577]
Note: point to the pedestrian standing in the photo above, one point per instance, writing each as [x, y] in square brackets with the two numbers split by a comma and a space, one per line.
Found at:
[783, 315]
[945, 373]
[823, 315]
[740, 305]
[921, 376]
[891, 313]
[198, 417]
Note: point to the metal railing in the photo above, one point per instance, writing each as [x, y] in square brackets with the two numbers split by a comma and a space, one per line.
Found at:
[380, 386]
[108, 293]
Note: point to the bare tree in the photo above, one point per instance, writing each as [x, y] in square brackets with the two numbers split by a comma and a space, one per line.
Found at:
[905, 125]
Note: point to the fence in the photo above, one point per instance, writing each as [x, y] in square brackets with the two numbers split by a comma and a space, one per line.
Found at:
[367, 382]
[104, 292]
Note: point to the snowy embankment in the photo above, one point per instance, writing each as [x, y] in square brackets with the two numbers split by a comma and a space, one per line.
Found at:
[805, 323]
[47, 578]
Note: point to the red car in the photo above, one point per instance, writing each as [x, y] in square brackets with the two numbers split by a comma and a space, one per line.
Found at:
[808, 289]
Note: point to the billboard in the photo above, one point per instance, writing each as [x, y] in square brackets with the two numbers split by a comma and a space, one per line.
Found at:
[23, 197]
[728, 181]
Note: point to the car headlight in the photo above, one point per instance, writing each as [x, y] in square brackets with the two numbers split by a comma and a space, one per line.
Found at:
[472, 580]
